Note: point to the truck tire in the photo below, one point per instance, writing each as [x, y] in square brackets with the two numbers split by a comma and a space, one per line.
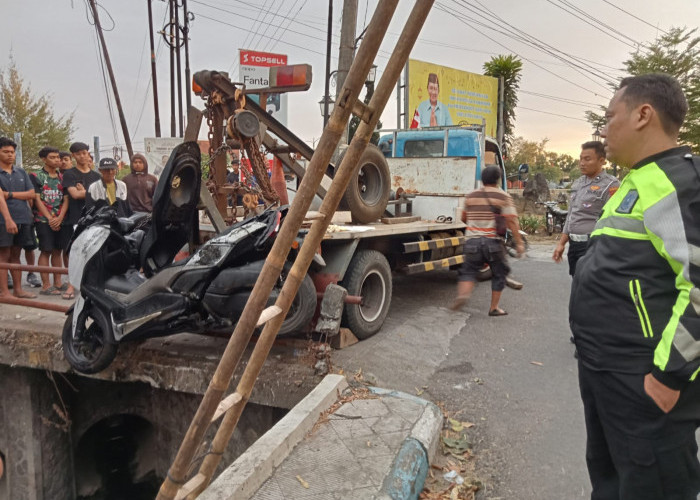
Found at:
[368, 193]
[369, 276]
[302, 309]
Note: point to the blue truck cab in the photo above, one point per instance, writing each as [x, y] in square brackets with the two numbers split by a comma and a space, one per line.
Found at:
[441, 142]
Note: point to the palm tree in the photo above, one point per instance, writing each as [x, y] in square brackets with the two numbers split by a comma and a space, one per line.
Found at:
[509, 68]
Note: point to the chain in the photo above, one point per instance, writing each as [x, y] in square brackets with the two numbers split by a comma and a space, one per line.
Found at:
[260, 172]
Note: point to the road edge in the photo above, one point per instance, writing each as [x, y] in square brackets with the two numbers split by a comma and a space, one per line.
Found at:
[255, 466]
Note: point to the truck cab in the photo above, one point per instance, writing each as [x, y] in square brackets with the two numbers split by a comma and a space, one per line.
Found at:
[439, 166]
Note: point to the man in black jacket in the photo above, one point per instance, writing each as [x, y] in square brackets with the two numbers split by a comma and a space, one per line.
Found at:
[635, 305]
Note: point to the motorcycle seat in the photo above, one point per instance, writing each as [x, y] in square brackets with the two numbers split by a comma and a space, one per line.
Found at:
[125, 283]
[135, 239]
[560, 212]
[127, 224]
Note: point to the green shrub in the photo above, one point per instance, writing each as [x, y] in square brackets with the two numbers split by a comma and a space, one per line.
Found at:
[530, 223]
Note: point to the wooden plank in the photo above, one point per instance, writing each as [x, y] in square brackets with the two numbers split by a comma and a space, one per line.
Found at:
[267, 314]
[226, 404]
[344, 339]
[400, 220]
[190, 486]
[313, 215]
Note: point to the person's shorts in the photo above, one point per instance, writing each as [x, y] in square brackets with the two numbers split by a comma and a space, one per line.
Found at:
[480, 251]
[50, 240]
[25, 237]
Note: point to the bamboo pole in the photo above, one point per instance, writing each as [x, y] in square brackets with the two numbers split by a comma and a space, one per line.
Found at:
[347, 170]
[275, 260]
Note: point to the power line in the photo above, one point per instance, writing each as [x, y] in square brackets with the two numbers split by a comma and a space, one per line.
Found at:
[593, 25]
[637, 18]
[452, 13]
[243, 29]
[560, 99]
[553, 114]
[518, 34]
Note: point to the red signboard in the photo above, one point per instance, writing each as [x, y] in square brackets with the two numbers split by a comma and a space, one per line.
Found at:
[253, 58]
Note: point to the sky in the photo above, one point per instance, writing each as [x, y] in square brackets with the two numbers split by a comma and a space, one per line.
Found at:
[54, 47]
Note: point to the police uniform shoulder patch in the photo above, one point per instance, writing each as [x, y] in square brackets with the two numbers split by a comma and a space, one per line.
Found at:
[628, 202]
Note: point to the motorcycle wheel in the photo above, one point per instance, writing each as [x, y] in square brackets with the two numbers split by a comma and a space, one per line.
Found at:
[549, 224]
[96, 349]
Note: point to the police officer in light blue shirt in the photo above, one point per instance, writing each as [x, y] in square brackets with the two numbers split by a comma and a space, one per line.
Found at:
[433, 113]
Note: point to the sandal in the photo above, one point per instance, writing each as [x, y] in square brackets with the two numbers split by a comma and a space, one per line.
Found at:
[63, 287]
[498, 312]
[68, 296]
[52, 290]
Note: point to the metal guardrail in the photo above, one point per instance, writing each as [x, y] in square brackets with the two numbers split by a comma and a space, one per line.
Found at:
[37, 304]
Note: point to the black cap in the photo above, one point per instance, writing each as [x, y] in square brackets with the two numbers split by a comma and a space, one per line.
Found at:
[108, 163]
[79, 146]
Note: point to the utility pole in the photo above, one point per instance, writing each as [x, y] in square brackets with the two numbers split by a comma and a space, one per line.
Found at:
[186, 34]
[500, 130]
[170, 38]
[122, 119]
[326, 94]
[153, 68]
[178, 58]
[347, 50]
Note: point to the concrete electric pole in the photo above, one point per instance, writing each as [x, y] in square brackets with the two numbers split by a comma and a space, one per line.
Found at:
[346, 54]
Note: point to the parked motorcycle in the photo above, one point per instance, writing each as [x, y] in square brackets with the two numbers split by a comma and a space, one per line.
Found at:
[555, 217]
[510, 243]
[130, 288]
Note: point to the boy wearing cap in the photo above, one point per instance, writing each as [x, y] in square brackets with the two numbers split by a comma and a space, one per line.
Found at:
[109, 188]
[75, 182]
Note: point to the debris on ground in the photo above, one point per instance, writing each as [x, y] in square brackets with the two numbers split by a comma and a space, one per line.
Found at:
[451, 476]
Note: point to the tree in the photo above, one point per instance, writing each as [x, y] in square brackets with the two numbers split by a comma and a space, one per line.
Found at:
[33, 116]
[675, 53]
[509, 68]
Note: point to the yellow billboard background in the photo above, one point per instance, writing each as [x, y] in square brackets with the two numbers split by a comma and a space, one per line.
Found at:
[469, 97]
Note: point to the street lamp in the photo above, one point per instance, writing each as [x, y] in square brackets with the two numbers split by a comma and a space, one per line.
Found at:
[372, 75]
[322, 103]
[596, 133]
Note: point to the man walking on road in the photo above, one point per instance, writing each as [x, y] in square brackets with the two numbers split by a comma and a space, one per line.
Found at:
[588, 195]
[635, 305]
[484, 245]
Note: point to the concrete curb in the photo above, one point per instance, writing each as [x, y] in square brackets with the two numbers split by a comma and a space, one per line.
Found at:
[248, 473]
[410, 467]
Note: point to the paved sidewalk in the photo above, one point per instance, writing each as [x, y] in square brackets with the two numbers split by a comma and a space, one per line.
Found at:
[367, 444]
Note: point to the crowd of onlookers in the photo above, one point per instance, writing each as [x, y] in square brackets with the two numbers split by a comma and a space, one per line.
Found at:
[39, 210]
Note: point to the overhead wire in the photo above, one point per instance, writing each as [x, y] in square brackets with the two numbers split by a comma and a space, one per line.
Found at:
[591, 24]
[553, 114]
[636, 17]
[461, 18]
[519, 35]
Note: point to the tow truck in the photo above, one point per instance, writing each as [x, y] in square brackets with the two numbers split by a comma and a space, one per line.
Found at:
[405, 205]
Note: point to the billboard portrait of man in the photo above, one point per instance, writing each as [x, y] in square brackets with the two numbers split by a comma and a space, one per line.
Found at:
[433, 113]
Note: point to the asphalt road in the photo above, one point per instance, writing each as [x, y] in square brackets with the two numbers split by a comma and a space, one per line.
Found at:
[513, 376]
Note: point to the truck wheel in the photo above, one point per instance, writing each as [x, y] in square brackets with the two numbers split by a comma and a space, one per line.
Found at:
[367, 195]
[368, 276]
[302, 310]
[95, 349]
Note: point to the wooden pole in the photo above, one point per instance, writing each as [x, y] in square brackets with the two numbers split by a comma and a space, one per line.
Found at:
[346, 171]
[280, 249]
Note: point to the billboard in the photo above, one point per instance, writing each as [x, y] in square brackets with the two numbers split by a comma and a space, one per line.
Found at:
[439, 95]
[255, 72]
[158, 151]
